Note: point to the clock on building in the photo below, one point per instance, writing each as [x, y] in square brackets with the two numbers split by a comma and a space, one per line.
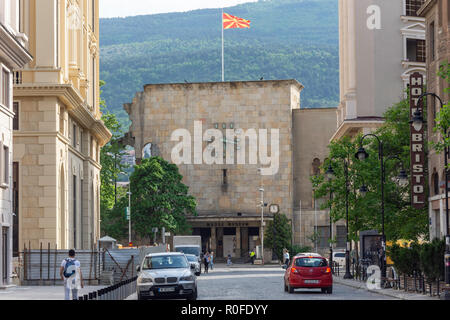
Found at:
[274, 208]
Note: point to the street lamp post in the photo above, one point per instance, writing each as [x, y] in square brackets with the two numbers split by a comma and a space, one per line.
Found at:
[363, 189]
[330, 174]
[418, 120]
[363, 155]
[261, 189]
[129, 212]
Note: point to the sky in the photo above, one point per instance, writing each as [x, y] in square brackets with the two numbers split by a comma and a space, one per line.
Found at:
[124, 8]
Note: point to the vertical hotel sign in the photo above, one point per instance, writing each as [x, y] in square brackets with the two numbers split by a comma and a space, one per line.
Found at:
[417, 144]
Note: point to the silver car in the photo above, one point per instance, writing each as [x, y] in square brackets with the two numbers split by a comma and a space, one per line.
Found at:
[166, 275]
[193, 260]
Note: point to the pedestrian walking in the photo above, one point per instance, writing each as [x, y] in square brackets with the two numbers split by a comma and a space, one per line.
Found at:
[70, 273]
[206, 261]
[252, 256]
[211, 260]
[229, 263]
[286, 256]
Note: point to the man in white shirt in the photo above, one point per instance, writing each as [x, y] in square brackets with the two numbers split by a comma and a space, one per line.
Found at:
[70, 273]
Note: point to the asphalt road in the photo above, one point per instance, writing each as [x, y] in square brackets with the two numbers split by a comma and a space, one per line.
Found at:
[247, 283]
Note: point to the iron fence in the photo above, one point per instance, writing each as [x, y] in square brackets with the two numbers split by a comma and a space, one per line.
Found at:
[119, 291]
[416, 283]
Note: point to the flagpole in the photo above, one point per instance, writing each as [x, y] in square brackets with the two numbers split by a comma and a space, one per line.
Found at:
[223, 52]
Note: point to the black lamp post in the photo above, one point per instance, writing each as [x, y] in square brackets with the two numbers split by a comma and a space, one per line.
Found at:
[363, 190]
[418, 121]
[403, 179]
[330, 175]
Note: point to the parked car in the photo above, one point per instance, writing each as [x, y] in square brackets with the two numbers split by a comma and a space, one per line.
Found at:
[193, 260]
[339, 258]
[309, 272]
[166, 275]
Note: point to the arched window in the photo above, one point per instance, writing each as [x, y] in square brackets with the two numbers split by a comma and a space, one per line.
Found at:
[316, 167]
[435, 182]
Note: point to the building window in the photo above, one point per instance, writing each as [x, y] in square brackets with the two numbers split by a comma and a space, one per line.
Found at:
[316, 167]
[225, 177]
[435, 182]
[412, 6]
[81, 209]
[416, 51]
[93, 15]
[16, 116]
[6, 165]
[74, 211]
[341, 236]
[322, 236]
[432, 42]
[74, 136]
[15, 209]
[81, 140]
[5, 88]
[94, 83]
[61, 121]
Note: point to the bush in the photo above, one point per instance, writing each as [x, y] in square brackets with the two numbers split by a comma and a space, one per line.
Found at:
[406, 259]
[432, 260]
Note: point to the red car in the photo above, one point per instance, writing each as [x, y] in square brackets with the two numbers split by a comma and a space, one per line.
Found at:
[310, 272]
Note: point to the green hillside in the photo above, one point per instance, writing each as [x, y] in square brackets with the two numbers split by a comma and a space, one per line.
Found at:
[287, 39]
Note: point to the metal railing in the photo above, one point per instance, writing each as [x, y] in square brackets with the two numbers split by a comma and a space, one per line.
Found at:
[119, 291]
[416, 283]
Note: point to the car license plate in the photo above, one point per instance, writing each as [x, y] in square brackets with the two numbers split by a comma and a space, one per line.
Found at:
[170, 289]
[312, 281]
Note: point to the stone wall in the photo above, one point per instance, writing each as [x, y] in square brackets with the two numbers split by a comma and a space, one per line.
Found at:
[161, 109]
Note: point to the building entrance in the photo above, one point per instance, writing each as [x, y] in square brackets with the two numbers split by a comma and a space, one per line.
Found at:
[5, 253]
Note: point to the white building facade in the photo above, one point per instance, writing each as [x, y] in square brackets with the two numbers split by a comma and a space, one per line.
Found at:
[381, 44]
[13, 56]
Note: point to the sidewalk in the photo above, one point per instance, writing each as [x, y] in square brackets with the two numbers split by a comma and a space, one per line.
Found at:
[399, 294]
[40, 293]
[245, 266]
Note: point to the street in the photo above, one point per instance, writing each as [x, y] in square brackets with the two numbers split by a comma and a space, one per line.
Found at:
[257, 283]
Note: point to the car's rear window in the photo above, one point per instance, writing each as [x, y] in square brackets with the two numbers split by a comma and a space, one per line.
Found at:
[339, 255]
[310, 262]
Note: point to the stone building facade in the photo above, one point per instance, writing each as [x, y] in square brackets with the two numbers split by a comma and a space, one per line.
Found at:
[437, 16]
[313, 129]
[13, 56]
[59, 132]
[228, 194]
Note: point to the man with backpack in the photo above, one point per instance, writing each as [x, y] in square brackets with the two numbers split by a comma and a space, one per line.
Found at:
[70, 273]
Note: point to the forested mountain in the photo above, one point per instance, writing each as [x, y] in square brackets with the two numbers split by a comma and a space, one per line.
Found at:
[288, 39]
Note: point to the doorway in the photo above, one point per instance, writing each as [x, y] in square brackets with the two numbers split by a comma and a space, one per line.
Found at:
[5, 255]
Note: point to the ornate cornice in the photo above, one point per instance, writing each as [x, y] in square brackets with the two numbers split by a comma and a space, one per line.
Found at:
[16, 54]
[76, 105]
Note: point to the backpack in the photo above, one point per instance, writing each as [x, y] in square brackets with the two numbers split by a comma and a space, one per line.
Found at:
[70, 263]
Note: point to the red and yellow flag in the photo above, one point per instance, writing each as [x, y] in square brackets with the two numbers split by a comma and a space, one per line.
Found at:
[232, 22]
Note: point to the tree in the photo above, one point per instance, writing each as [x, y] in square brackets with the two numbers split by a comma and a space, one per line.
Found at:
[111, 168]
[278, 235]
[159, 198]
[442, 120]
[402, 221]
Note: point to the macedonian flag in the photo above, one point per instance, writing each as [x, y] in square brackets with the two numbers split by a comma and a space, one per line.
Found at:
[231, 22]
